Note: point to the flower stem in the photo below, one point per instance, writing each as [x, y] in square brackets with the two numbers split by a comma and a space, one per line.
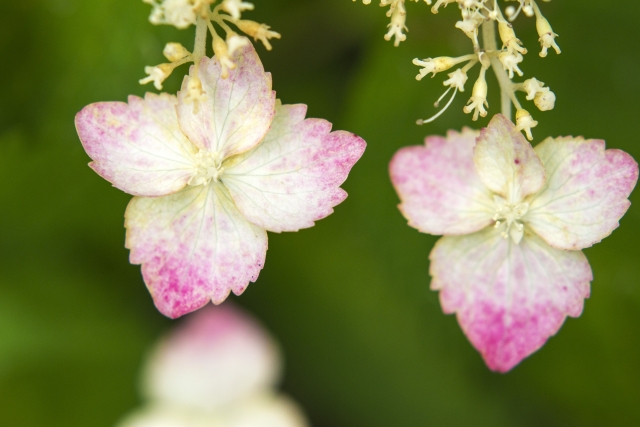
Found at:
[507, 95]
[200, 47]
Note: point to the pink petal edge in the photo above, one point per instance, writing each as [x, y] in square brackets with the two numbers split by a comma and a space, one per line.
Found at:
[194, 247]
[586, 193]
[509, 298]
[293, 177]
[439, 189]
[138, 146]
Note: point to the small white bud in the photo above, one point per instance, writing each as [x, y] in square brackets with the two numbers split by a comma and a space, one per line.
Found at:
[258, 32]
[195, 93]
[528, 10]
[545, 100]
[510, 11]
[397, 25]
[175, 52]
[433, 65]
[236, 7]
[524, 122]
[547, 36]
[478, 97]
[532, 86]
[157, 75]
[235, 42]
[457, 79]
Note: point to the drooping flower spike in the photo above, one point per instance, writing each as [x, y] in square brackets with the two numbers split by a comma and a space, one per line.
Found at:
[220, 368]
[504, 58]
[514, 221]
[209, 183]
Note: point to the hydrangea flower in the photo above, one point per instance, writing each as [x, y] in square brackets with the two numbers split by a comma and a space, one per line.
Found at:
[211, 181]
[514, 221]
[220, 368]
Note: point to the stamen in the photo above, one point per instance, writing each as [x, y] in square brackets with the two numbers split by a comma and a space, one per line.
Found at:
[439, 113]
[508, 218]
[516, 13]
[208, 167]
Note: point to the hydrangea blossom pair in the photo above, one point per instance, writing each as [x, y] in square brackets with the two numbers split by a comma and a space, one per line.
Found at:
[211, 181]
[514, 221]
[219, 368]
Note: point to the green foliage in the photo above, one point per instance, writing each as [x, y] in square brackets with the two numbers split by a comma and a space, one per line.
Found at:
[365, 340]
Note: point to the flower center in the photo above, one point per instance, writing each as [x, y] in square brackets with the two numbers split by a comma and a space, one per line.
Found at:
[508, 217]
[208, 167]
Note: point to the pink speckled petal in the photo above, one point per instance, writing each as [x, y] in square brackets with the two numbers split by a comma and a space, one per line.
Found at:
[506, 162]
[293, 177]
[138, 146]
[439, 188]
[586, 193]
[237, 111]
[509, 298]
[220, 355]
[194, 247]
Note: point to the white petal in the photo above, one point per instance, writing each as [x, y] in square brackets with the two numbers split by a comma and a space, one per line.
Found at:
[440, 190]
[237, 111]
[219, 356]
[194, 247]
[138, 146]
[586, 193]
[293, 177]
[506, 162]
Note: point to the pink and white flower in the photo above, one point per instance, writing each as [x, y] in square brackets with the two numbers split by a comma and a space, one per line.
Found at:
[211, 181]
[514, 221]
[219, 368]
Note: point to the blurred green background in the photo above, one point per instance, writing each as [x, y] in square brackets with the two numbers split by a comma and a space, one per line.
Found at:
[365, 340]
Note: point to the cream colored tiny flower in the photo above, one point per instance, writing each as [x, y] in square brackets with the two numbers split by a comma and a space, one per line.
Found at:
[524, 122]
[179, 13]
[175, 52]
[545, 100]
[547, 36]
[236, 7]
[439, 3]
[478, 97]
[397, 24]
[157, 75]
[457, 79]
[195, 93]
[532, 86]
[470, 26]
[510, 61]
[541, 96]
[235, 42]
[433, 65]
[258, 32]
[509, 39]
[221, 51]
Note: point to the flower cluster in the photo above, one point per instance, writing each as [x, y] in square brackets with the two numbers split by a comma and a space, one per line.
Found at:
[201, 13]
[505, 60]
[514, 221]
[220, 368]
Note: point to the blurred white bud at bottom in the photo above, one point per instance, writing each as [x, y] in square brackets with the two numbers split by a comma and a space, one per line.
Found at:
[264, 411]
[218, 368]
